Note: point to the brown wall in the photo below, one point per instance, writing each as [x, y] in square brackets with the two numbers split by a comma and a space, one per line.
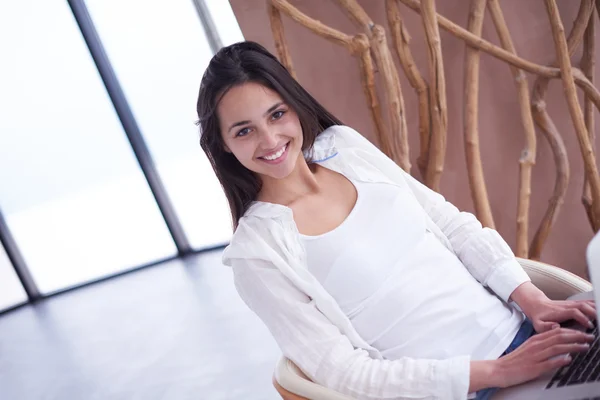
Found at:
[332, 76]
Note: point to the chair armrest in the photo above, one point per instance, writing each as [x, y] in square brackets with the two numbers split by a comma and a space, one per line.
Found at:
[556, 283]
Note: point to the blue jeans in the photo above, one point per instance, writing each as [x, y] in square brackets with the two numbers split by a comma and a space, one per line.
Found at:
[525, 332]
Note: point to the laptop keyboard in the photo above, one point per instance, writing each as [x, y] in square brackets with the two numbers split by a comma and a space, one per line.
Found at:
[585, 366]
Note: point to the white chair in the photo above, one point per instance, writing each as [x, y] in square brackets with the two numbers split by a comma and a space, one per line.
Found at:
[556, 283]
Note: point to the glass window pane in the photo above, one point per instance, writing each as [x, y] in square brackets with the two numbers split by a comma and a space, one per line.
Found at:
[72, 192]
[11, 290]
[159, 51]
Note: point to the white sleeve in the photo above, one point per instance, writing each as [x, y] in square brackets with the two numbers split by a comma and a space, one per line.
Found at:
[327, 357]
[482, 250]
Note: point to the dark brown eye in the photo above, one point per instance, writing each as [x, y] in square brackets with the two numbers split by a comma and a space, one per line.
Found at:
[243, 132]
[277, 114]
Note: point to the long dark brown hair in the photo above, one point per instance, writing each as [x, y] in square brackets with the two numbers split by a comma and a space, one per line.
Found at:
[234, 65]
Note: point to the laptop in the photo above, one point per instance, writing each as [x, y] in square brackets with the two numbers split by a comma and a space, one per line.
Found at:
[580, 380]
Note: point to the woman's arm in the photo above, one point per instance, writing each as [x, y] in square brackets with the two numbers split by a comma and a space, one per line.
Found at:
[482, 250]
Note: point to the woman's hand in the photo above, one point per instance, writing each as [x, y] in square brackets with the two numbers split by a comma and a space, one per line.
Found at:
[546, 314]
[538, 355]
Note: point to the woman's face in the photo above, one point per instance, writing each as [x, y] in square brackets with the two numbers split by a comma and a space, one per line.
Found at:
[261, 131]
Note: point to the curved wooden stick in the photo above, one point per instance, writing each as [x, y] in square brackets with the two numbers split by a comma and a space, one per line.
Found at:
[401, 40]
[439, 112]
[483, 211]
[527, 160]
[587, 67]
[357, 14]
[363, 50]
[551, 133]
[398, 142]
[316, 26]
[559, 152]
[278, 35]
[564, 61]
[391, 82]
[586, 8]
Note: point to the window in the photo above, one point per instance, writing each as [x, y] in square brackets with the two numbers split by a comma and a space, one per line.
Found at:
[71, 189]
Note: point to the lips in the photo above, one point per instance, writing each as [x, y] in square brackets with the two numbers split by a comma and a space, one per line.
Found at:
[274, 156]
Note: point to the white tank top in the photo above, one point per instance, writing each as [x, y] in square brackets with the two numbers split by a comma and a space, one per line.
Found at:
[405, 293]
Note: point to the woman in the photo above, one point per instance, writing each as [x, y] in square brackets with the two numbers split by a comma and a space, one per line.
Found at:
[371, 283]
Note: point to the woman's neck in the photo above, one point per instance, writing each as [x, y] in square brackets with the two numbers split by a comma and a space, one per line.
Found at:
[300, 182]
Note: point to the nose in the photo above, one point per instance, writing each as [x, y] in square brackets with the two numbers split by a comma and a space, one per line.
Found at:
[269, 139]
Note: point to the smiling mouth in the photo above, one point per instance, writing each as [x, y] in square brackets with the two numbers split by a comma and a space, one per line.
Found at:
[275, 156]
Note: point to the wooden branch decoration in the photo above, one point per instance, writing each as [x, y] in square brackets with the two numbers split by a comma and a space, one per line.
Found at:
[545, 123]
[399, 136]
[312, 24]
[575, 38]
[357, 14]
[398, 142]
[573, 103]
[587, 67]
[439, 112]
[527, 160]
[278, 35]
[559, 152]
[483, 211]
[361, 48]
[401, 40]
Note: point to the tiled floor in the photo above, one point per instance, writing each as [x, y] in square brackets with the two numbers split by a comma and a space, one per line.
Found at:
[173, 331]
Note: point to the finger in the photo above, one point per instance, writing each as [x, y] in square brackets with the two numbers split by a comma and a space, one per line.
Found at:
[573, 303]
[559, 349]
[572, 313]
[591, 303]
[542, 326]
[564, 336]
[588, 310]
[541, 337]
[554, 363]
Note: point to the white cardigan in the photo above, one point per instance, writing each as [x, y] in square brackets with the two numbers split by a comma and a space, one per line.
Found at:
[270, 272]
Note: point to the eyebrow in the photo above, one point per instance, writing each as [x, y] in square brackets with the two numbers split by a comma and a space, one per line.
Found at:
[270, 110]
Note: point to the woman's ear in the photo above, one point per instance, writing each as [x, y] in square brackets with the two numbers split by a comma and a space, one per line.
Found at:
[226, 148]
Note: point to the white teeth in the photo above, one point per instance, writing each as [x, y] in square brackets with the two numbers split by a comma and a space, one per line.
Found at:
[276, 155]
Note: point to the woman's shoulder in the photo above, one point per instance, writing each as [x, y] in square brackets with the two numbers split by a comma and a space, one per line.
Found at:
[341, 137]
[263, 228]
[329, 141]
